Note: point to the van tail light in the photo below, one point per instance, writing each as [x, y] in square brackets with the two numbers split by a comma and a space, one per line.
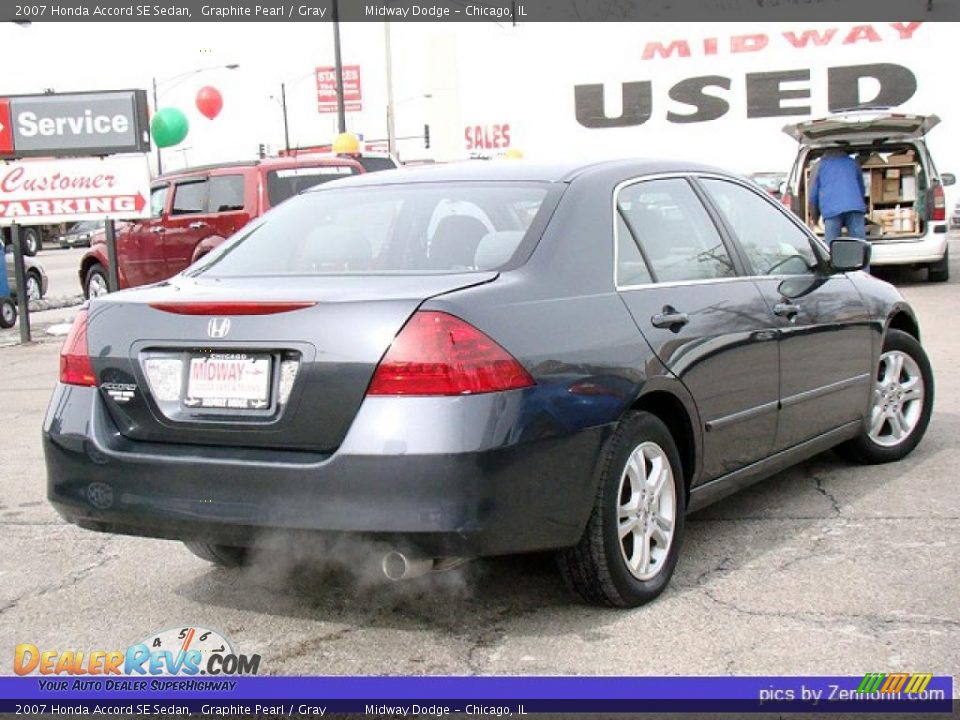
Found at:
[439, 354]
[75, 366]
[939, 204]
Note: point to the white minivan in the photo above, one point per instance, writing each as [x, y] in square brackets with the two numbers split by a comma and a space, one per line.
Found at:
[906, 206]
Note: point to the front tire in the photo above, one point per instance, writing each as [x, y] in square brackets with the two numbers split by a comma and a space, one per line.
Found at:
[630, 546]
[34, 286]
[95, 283]
[902, 402]
[8, 313]
[226, 556]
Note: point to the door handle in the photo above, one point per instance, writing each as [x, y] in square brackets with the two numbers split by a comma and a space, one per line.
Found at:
[197, 225]
[787, 310]
[670, 319]
[155, 230]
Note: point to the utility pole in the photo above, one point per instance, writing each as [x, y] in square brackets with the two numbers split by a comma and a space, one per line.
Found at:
[156, 108]
[391, 128]
[338, 67]
[286, 127]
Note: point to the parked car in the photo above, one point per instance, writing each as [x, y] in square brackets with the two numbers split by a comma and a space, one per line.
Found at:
[906, 204]
[36, 277]
[404, 356]
[193, 210]
[955, 217]
[772, 182]
[79, 234]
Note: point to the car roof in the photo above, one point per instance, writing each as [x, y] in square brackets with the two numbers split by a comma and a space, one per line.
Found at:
[265, 163]
[514, 171]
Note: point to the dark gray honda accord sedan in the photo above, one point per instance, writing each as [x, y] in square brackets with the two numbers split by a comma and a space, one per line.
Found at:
[480, 359]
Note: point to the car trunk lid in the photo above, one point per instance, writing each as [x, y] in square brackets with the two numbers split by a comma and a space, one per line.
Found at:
[227, 362]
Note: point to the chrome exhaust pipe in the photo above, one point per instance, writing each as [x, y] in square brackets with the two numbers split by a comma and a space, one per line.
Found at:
[397, 566]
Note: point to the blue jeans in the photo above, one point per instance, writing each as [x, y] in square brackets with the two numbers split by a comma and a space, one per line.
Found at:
[853, 221]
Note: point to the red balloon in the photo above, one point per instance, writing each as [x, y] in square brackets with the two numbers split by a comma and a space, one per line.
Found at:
[209, 101]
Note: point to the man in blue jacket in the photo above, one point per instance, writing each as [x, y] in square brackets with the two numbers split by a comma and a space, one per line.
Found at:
[836, 194]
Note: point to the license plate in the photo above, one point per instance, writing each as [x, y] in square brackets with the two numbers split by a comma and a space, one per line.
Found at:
[235, 381]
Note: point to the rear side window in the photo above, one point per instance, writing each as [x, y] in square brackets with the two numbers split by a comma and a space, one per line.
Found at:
[674, 231]
[190, 198]
[394, 229]
[287, 182]
[225, 193]
[772, 243]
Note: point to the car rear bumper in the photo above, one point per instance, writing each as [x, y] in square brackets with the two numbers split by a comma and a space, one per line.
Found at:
[925, 249]
[486, 499]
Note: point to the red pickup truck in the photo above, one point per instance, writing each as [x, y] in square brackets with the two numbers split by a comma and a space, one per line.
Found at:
[194, 210]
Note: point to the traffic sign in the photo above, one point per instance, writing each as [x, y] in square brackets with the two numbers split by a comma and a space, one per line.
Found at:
[74, 124]
[6, 129]
[42, 192]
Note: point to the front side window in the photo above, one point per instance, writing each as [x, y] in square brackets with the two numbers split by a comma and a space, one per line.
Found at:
[190, 198]
[772, 243]
[674, 231]
[395, 229]
[158, 200]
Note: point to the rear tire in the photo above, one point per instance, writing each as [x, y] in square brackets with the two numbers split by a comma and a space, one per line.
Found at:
[8, 313]
[226, 556]
[95, 284]
[30, 241]
[630, 546]
[940, 270]
[902, 402]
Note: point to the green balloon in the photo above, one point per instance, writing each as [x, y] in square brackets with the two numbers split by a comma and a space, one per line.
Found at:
[169, 127]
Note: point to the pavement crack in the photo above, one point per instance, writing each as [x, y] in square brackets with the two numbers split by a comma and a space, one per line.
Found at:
[101, 558]
[818, 484]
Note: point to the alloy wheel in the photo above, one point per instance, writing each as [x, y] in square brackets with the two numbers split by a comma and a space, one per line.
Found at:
[646, 512]
[97, 285]
[897, 399]
[33, 288]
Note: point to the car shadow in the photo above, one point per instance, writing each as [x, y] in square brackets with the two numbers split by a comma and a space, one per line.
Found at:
[349, 589]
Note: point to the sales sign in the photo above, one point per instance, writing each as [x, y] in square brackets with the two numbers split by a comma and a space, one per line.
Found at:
[74, 124]
[40, 192]
[327, 89]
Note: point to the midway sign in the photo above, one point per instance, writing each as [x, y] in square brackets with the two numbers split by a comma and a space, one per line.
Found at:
[74, 124]
[46, 192]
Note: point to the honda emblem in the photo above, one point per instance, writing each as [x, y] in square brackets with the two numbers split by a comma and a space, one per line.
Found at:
[218, 327]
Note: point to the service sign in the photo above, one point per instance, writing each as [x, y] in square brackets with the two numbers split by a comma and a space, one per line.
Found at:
[74, 124]
[41, 192]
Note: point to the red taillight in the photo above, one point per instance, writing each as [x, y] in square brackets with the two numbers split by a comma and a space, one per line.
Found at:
[229, 308]
[75, 366]
[939, 204]
[787, 200]
[439, 354]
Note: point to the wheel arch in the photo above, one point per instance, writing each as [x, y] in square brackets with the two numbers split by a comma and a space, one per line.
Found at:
[675, 408]
[902, 318]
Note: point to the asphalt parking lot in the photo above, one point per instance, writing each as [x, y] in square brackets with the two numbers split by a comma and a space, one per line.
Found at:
[828, 568]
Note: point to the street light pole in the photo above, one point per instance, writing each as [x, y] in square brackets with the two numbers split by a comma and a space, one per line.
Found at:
[338, 68]
[286, 127]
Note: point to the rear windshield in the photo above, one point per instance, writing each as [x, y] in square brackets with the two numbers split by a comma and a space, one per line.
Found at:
[284, 184]
[406, 229]
[372, 164]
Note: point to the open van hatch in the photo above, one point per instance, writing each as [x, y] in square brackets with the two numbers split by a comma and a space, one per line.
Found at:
[861, 127]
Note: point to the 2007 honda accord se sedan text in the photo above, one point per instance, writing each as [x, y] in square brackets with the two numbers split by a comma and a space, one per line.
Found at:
[482, 359]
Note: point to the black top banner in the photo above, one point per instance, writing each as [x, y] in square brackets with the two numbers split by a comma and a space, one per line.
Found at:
[501, 11]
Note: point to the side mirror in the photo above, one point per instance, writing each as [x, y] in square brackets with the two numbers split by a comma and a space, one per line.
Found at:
[947, 179]
[849, 254]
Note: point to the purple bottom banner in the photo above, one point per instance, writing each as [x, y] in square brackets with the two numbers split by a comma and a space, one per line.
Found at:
[488, 696]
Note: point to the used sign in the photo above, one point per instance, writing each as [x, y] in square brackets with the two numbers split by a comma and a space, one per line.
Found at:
[55, 191]
[90, 123]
